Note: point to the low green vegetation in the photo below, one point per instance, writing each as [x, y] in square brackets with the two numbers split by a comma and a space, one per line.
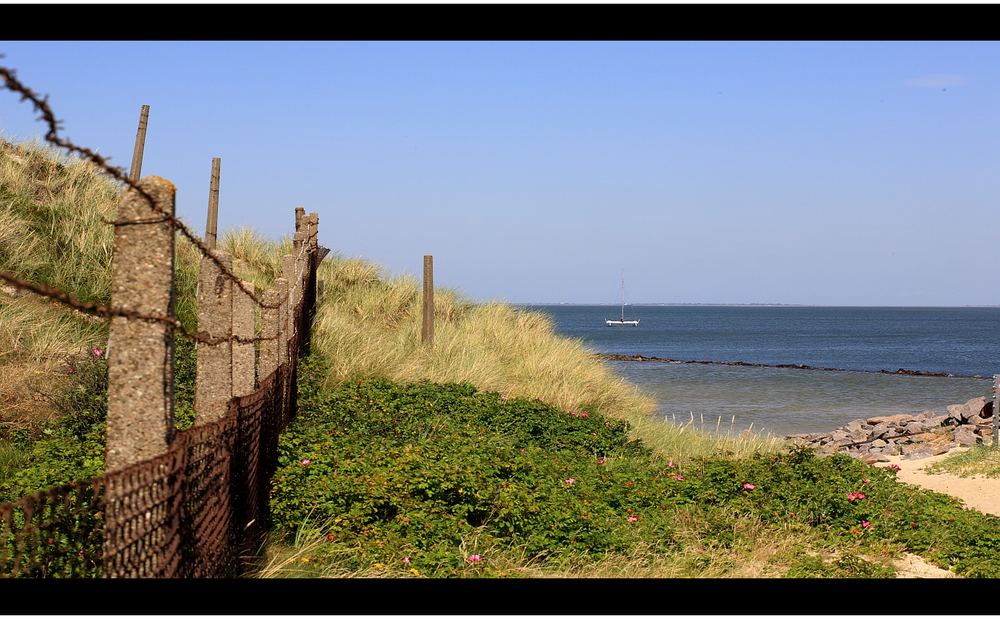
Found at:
[981, 460]
[70, 446]
[504, 450]
[423, 479]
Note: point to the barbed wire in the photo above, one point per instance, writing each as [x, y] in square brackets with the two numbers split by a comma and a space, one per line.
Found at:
[52, 136]
[108, 312]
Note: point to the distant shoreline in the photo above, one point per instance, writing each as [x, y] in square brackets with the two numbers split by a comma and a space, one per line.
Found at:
[756, 305]
[789, 366]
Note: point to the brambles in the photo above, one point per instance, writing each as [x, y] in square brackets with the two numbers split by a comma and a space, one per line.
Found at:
[439, 473]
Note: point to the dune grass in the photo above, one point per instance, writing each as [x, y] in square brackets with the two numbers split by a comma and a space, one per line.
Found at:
[52, 230]
[980, 460]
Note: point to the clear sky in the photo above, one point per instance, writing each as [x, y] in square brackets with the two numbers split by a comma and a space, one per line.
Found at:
[828, 173]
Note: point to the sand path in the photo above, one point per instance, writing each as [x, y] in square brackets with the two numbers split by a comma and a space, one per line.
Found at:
[979, 493]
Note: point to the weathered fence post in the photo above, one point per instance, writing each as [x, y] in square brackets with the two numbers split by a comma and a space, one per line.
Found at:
[996, 409]
[299, 217]
[244, 356]
[140, 419]
[212, 225]
[140, 144]
[140, 370]
[427, 332]
[214, 374]
[284, 323]
[288, 273]
[270, 318]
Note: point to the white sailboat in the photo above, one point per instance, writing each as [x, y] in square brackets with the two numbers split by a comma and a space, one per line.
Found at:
[621, 322]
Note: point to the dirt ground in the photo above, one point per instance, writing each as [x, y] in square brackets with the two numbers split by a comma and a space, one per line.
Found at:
[979, 493]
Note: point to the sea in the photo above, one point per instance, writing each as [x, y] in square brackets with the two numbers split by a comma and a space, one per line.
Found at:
[962, 341]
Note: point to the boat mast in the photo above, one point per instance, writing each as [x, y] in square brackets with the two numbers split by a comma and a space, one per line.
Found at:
[623, 296]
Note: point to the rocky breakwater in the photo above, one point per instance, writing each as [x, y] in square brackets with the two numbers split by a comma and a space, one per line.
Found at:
[912, 436]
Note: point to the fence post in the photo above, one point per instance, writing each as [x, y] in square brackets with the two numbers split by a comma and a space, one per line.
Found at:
[299, 217]
[427, 332]
[140, 144]
[996, 409]
[270, 332]
[244, 356]
[214, 373]
[212, 225]
[288, 273]
[140, 420]
[140, 366]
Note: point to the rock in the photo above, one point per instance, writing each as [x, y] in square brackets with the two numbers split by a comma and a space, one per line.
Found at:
[873, 457]
[921, 425]
[987, 411]
[977, 405]
[878, 443]
[889, 419]
[918, 454]
[859, 435]
[854, 426]
[965, 435]
[942, 448]
[958, 412]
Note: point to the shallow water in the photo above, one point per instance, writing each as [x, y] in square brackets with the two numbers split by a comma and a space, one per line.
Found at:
[784, 401]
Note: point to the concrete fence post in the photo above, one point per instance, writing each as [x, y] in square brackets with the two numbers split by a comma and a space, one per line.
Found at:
[288, 273]
[270, 319]
[244, 355]
[214, 367]
[140, 419]
[140, 366]
[427, 331]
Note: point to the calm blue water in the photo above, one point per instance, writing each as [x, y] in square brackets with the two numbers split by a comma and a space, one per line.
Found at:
[954, 340]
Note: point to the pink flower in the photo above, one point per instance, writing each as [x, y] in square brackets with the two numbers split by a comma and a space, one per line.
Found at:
[866, 481]
[406, 560]
[633, 518]
[670, 463]
[97, 352]
[749, 486]
[865, 524]
[855, 496]
[584, 415]
[474, 559]
[894, 467]
[306, 462]
[569, 482]
[602, 460]
[679, 477]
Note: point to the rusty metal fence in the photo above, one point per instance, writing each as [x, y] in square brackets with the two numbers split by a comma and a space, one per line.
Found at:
[192, 503]
[198, 510]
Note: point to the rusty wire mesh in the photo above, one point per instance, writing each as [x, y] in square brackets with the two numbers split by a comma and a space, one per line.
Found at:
[199, 510]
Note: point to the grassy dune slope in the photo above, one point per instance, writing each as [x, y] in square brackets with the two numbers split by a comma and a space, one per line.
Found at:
[52, 230]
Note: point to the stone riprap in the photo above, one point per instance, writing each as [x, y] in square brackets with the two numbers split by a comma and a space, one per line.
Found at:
[912, 436]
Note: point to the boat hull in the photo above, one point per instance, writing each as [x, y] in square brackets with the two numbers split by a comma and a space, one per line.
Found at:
[622, 323]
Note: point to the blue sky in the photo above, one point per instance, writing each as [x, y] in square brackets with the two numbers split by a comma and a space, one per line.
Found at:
[828, 173]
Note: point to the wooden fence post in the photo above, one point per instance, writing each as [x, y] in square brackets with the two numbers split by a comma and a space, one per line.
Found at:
[140, 144]
[270, 318]
[427, 332]
[212, 225]
[244, 355]
[996, 410]
[140, 366]
[299, 217]
[214, 373]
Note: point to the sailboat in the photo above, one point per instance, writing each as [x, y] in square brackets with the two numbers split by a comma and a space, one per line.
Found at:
[621, 322]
